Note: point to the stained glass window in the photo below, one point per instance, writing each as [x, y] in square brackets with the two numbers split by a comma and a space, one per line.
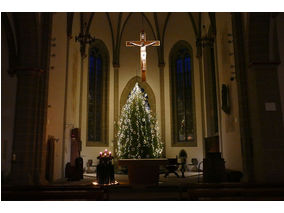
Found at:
[182, 95]
[95, 96]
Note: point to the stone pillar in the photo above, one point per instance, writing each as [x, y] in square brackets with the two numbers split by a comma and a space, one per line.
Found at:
[209, 86]
[242, 82]
[27, 147]
[115, 103]
[69, 37]
[199, 47]
[81, 91]
[259, 99]
[200, 60]
[266, 122]
[162, 101]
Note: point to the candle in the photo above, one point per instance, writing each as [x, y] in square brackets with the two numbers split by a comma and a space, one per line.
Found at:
[109, 153]
[101, 153]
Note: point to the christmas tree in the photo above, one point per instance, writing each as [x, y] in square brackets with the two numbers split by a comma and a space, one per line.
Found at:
[138, 135]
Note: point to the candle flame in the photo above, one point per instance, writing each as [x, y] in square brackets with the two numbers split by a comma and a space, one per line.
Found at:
[95, 183]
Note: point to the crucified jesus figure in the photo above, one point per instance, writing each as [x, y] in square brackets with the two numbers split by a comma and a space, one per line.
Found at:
[142, 44]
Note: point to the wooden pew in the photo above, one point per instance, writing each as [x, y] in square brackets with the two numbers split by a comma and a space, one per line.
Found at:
[236, 192]
[37, 193]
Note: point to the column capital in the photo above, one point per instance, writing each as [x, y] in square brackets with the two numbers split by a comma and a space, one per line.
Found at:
[204, 42]
[263, 64]
[115, 65]
[161, 65]
[69, 37]
[30, 70]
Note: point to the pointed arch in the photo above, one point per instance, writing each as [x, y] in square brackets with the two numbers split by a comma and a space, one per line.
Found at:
[98, 95]
[183, 118]
[129, 86]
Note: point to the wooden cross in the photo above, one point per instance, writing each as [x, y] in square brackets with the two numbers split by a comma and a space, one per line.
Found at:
[142, 44]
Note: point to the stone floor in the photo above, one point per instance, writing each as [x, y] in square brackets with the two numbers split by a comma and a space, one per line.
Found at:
[172, 188]
[190, 177]
[172, 179]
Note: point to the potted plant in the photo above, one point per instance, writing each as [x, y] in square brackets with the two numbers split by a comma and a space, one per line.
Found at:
[139, 146]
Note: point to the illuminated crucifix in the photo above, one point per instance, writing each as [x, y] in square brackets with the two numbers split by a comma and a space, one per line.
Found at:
[142, 44]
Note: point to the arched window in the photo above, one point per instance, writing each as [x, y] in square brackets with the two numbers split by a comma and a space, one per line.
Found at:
[182, 95]
[151, 101]
[98, 79]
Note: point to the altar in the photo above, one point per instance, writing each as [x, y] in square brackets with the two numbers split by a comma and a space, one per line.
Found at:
[143, 171]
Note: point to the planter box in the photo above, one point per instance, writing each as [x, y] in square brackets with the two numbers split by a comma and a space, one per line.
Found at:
[143, 171]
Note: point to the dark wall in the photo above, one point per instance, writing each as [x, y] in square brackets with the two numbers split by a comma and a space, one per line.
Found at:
[8, 100]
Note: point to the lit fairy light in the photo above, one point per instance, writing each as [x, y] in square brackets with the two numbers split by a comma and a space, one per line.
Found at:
[138, 129]
[95, 183]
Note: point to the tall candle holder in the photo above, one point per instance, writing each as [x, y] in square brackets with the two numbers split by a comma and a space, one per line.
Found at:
[105, 169]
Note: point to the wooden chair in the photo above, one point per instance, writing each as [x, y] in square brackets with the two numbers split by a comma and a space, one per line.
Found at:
[172, 166]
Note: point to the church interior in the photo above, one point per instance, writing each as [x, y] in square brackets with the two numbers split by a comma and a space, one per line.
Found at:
[212, 80]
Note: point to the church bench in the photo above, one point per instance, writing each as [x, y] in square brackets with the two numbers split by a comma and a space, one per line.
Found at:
[233, 185]
[145, 193]
[198, 191]
[49, 187]
[52, 195]
[30, 193]
[236, 193]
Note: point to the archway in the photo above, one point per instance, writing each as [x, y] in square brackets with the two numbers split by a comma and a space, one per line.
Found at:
[144, 85]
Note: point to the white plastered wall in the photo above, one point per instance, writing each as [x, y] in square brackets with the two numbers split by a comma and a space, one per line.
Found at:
[130, 60]
[129, 67]
[56, 125]
[56, 89]
[230, 127]
[8, 97]
[180, 28]
[280, 30]
[100, 29]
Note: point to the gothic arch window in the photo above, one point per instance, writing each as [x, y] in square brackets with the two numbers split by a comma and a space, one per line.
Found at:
[144, 87]
[182, 95]
[98, 80]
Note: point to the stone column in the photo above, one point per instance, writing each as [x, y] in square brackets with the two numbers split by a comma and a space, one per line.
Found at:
[242, 82]
[115, 103]
[199, 56]
[81, 91]
[207, 44]
[162, 102]
[266, 121]
[27, 146]
[261, 123]
[69, 37]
